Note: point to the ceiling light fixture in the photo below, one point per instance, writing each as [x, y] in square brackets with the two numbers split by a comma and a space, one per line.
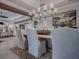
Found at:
[2, 15]
[43, 10]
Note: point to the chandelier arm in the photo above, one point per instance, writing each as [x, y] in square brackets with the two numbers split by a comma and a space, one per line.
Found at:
[43, 11]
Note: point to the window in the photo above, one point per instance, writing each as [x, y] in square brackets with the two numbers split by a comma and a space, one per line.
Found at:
[21, 26]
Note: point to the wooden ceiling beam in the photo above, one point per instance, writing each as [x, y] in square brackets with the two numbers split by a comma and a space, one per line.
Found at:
[12, 9]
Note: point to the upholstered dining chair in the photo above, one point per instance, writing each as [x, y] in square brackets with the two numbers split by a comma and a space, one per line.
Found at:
[65, 43]
[19, 38]
[35, 46]
[25, 42]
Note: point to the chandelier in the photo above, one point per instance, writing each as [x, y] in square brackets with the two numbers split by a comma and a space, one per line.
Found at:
[43, 10]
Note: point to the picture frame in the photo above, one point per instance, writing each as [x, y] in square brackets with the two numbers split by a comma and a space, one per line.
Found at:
[64, 19]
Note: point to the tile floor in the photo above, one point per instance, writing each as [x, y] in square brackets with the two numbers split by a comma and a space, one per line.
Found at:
[6, 53]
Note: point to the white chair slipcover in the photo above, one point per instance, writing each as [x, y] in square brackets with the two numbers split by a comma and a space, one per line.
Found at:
[36, 48]
[19, 39]
[65, 43]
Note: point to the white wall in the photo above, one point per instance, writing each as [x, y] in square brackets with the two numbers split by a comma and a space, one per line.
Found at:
[49, 22]
[74, 6]
[44, 24]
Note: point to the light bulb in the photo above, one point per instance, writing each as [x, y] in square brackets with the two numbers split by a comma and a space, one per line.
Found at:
[33, 11]
[45, 7]
[45, 13]
[1, 25]
[55, 10]
[11, 26]
[51, 5]
[50, 11]
[36, 15]
[30, 13]
[38, 9]
[40, 14]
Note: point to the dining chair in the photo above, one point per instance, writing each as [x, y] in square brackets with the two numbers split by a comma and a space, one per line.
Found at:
[25, 43]
[35, 46]
[65, 43]
[19, 38]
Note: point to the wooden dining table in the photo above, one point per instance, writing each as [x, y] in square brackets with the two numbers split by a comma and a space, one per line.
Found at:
[44, 36]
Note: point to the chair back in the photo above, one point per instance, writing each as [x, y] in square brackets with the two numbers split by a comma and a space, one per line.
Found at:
[33, 42]
[65, 43]
[19, 38]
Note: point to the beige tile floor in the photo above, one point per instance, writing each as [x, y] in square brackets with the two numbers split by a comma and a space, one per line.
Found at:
[5, 52]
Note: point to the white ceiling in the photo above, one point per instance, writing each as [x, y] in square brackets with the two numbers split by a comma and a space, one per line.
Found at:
[29, 5]
[12, 16]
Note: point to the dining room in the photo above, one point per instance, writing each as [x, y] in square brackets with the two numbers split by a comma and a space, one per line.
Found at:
[39, 29]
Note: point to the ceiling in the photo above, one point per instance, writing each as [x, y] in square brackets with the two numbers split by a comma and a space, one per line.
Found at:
[12, 16]
[29, 5]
